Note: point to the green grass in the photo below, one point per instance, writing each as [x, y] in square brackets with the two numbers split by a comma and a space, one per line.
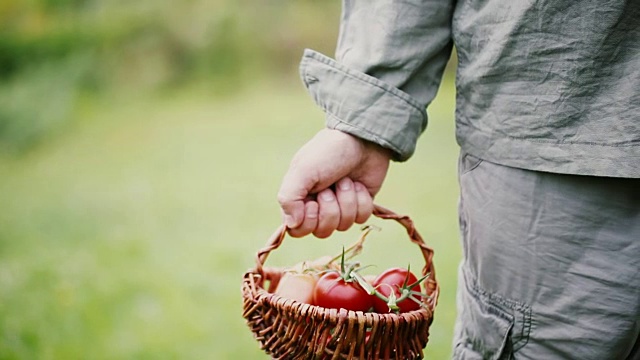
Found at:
[127, 238]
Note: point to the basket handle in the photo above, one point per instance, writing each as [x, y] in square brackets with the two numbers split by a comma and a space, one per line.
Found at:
[278, 236]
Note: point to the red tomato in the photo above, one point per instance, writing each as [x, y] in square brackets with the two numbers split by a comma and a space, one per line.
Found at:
[394, 278]
[333, 292]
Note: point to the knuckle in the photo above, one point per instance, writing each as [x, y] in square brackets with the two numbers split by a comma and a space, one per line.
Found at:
[282, 199]
[348, 208]
[329, 214]
[346, 199]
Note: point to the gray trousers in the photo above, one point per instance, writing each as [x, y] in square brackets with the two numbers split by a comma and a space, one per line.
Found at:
[551, 265]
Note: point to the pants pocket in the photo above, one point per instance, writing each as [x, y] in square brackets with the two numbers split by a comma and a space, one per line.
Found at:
[467, 162]
[489, 327]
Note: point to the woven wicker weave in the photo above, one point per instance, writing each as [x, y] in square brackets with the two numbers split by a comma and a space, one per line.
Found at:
[288, 329]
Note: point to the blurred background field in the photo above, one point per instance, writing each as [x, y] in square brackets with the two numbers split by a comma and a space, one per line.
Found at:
[141, 147]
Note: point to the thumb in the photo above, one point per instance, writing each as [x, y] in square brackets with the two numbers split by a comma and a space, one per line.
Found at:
[291, 196]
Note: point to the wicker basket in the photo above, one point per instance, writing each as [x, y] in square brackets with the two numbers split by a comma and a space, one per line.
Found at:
[288, 329]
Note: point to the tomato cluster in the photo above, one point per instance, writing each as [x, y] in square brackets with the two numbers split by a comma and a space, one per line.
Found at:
[394, 290]
[324, 283]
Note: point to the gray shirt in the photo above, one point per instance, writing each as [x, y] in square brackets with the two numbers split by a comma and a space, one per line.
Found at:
[549, 85]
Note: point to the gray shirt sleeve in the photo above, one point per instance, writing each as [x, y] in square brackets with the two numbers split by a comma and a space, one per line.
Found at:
[389, 64]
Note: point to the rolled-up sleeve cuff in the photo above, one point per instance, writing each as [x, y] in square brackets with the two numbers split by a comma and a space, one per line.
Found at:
[364, 106]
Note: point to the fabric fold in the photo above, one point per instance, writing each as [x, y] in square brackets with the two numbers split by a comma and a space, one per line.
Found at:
[364, 106]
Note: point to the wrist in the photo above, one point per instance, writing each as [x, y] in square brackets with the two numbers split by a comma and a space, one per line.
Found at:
[379, 151]
[367, 147]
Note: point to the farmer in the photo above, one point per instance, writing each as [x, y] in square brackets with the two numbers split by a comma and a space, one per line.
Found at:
[548, 121]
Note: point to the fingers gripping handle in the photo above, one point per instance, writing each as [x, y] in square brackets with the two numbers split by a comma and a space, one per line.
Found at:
[383, 213]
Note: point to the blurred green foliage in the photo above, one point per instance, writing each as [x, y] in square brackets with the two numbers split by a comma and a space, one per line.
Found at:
[127, 238]
[141, 147]
[54, 52]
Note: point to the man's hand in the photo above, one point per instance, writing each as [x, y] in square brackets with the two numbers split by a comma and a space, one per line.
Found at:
[331, 182]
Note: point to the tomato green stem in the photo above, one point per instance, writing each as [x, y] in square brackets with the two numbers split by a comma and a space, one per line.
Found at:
[405, 293]
[363, 283]
[417, 282]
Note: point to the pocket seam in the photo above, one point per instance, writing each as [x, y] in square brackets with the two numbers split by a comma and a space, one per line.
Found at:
[500, 302]
[475, 165]
[498, 312]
